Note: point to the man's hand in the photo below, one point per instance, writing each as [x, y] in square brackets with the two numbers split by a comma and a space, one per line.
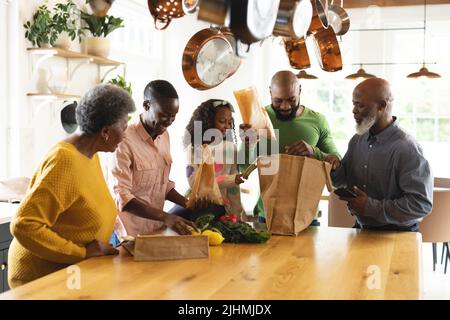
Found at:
[179, 224]
[300, 148]
[248, 134]
[201, 204]
[334, 161]
[357, 204]
[239, 179]
[97, 248]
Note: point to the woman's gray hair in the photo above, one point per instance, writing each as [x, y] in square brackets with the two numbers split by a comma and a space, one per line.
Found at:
[103, 106]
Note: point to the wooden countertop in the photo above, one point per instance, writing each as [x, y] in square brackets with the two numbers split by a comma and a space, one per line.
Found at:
[321, 263]
[7, 211]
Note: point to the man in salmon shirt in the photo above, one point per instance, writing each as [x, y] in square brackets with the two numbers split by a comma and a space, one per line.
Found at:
[140, 167]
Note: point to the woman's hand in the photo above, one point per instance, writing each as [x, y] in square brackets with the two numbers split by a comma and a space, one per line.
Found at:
[97, 248]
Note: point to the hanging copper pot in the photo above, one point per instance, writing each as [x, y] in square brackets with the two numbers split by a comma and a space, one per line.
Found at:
[163, 11]
[214, 11]
[100, 7]
[319, 20]
[297, 53]
[327, 50]
[209, 58]
[338, 19]
[293, 18]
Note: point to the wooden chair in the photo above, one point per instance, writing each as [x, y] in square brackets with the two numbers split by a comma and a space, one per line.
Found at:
[436, 226]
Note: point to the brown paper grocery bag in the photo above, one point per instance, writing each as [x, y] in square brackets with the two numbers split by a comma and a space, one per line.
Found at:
[291, 195]
[160, 247]
[205, 186]
[253, 112]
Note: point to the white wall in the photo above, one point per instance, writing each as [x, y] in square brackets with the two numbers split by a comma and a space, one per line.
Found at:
[152, 54]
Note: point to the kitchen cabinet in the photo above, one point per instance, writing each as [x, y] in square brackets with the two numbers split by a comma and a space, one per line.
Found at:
[5, 241]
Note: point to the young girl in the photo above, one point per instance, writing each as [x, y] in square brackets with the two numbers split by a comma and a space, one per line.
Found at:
[217, 130]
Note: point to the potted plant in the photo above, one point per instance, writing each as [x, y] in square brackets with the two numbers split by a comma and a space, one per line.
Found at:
[100, 28]
[54, 28]
[41, 32]
[122, 83]
[67, 22]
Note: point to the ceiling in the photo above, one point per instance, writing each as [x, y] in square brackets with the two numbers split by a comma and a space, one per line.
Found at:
[387, 3]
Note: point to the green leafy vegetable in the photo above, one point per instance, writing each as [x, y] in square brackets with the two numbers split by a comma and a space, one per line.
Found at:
[234, 232]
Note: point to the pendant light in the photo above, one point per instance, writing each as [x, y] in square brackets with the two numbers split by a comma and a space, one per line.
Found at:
[304, 75]
[423, 72]
[360, 74]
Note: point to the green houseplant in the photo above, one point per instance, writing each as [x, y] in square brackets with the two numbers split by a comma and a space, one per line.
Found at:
[100, 28]
[40, 32]
[54, 27]
[67, 22]
[122, 83]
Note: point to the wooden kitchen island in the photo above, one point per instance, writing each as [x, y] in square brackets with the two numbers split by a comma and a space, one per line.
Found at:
[321, 263]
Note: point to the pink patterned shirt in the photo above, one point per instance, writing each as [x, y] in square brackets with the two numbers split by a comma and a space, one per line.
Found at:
[140, 169]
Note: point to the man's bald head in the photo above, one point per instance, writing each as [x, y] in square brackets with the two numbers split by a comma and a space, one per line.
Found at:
[285, 94]
[284, 79]
[375, 89]
[372, 105]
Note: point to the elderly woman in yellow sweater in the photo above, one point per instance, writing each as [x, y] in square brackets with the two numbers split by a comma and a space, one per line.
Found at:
[68, 213]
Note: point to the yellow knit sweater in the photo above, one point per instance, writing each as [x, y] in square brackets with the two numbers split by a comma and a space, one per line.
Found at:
[67, 206]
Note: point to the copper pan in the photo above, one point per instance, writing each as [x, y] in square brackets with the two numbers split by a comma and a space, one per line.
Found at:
[163, 11]
[319, 20]
[327, 50]
[297, 53]
[193, 49]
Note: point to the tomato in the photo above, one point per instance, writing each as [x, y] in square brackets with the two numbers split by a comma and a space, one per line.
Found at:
[229, 217]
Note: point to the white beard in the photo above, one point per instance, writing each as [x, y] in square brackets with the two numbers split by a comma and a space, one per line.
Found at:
[365, 125]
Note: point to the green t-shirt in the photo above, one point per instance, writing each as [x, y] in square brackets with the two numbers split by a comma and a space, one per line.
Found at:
[310, 126]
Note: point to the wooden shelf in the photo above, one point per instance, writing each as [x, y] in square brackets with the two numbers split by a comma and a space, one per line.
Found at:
[52, 96]
[74, 55]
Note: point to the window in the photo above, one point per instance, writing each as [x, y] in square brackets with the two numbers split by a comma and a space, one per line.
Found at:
[422, 106]
[3, 89]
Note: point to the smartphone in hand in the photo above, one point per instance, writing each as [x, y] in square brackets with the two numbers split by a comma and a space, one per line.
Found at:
[345, 193]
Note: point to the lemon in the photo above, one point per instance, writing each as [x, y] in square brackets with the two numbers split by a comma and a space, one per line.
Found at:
[195, 232]
[214, 238]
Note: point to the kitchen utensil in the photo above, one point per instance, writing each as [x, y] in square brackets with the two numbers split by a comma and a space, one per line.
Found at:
[319, 19]
[297, 53]
[163, 11]
[190, 6]
[293, 18]
[68, 120]
[209, 59]
[214, 11]
[327, 50]
[338, 19]
[100, 7]
[253, 20]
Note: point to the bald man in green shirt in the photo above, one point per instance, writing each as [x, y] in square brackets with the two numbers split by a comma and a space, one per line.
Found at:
[302, 131]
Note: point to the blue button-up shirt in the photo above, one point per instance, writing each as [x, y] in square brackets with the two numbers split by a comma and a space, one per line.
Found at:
[391, 169]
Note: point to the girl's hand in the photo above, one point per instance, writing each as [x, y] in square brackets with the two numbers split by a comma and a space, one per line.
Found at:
[239, 179]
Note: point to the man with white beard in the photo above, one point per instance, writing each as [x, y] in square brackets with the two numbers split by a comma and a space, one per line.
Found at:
[384, 166]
